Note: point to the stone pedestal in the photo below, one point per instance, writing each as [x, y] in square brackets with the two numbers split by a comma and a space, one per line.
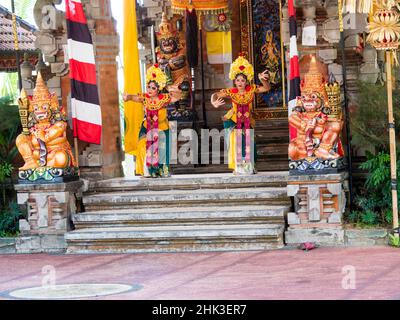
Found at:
[49, 208]
[319, 203]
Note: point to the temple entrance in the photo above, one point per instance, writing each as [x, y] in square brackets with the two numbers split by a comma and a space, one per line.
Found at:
[252, 27]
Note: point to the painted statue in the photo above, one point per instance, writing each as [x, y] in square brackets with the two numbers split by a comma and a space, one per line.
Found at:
[270, 56]
[154, 142]
[315, 123]
[238, 121]
[171, 57]
[43, 143]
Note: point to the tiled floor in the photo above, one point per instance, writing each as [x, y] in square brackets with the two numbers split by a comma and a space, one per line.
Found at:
[323, 273]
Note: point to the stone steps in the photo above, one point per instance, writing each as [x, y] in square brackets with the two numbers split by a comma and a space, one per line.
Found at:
[210, 212]
[7, 246]
[271, 165]
[191, 182]
[184, 198]
[181, 216]
[272, 139]
[176, 238]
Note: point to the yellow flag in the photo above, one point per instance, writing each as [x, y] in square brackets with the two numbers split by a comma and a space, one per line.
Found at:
[219, 47]
[133, 111]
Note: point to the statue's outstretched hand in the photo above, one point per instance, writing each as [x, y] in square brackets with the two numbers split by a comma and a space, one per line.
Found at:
[173, 89]
[264, 76]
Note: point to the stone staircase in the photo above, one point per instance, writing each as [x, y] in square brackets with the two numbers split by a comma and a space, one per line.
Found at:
[210, 212]
[272, 140]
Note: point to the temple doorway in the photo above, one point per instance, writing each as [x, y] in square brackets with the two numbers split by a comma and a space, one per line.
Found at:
[251, 27]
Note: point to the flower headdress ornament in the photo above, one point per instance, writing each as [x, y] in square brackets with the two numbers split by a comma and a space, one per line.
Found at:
[241, 66]
[154, 73]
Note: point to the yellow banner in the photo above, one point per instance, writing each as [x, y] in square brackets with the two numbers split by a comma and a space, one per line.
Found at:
[133, 111]
[219, 47]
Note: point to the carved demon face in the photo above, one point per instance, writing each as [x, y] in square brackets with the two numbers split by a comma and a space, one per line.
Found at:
[42, 111]
[311, 101]
[169, 45]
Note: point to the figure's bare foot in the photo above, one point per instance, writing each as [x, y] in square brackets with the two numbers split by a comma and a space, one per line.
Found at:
[326, 155]
[29, 165]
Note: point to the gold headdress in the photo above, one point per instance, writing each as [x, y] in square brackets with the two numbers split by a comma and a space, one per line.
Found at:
[166, 30]
[42, 95]
[241, 65]
[154, 73]
[313, 81]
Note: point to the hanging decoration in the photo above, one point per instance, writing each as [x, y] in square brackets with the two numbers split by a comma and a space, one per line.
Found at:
[219, 22]
[201, 6]
[384, 27]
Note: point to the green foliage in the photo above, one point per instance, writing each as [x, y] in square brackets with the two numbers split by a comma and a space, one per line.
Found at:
[394, 240]
[10, 126]
[374, 200]
[6, 170]
[369, 120]
[9, 220]
[9, 85]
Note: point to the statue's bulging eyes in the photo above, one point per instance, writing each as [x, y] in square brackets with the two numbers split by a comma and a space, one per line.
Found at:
[314, 96]
[35, 108]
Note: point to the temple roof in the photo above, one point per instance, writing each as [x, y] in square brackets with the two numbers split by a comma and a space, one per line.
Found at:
[25, 33]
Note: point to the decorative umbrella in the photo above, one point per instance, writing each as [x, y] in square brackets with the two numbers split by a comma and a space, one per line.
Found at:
[384, 34]
[194, 10]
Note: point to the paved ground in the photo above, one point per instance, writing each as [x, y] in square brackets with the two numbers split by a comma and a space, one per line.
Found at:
[324, 273]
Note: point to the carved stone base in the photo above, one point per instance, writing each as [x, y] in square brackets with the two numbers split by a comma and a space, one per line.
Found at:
[316, 166]
[49, 208]
[327, 236]
[319, 203]
[47, 175]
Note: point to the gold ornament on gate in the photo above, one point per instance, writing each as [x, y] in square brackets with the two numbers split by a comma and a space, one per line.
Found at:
[384, 29]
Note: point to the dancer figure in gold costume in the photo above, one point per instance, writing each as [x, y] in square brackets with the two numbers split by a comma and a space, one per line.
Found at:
[238, 122]
[154, 148]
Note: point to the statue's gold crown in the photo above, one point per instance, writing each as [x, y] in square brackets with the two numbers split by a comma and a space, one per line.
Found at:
[241, 66]
[42, 95]
[154, 73]
[314, 81]
[41, 92]
[166, 29]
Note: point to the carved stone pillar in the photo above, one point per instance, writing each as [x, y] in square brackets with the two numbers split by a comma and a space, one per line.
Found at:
[106, 43]
[369, 70]
[48, 209]
[309, 27]
[319, 203]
